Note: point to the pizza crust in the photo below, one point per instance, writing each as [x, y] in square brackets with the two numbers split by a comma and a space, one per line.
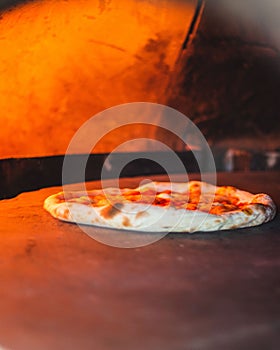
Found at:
[125, 215]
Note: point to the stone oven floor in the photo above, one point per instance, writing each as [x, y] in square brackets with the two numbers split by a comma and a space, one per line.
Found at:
[60, 289]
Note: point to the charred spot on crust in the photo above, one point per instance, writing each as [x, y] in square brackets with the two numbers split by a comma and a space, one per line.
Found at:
[247, 211]
[163, 202]
[126, 221]
[261, 208]
[141, 214]
[65, 214]
[111, 210]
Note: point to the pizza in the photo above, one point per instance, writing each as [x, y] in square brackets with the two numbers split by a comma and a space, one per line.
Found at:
[164, 207]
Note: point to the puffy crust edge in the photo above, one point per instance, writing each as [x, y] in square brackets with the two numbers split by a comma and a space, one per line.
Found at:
[260, 209]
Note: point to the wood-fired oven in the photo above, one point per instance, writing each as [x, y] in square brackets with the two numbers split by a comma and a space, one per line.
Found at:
[63, 62]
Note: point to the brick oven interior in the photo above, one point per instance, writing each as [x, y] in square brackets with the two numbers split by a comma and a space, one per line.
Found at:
[65, 61]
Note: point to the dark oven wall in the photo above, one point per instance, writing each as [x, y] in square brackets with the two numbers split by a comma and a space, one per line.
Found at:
[228, 75]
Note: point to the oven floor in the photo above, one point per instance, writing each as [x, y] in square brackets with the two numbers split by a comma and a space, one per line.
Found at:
[60, 289]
